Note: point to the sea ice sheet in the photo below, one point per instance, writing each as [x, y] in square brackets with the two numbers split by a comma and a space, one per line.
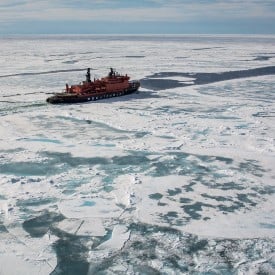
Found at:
[177, 178]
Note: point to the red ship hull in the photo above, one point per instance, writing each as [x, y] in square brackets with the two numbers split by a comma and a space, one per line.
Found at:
[111, 86]
[93, 96]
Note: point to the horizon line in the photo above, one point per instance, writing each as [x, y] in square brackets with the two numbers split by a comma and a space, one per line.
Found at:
[137, 34]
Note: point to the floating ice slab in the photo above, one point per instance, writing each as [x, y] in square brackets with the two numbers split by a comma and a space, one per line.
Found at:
[120, 235]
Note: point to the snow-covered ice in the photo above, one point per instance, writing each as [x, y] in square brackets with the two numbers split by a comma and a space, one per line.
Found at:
[177, 178]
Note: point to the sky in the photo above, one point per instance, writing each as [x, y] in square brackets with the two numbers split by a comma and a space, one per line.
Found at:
[137, 17]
